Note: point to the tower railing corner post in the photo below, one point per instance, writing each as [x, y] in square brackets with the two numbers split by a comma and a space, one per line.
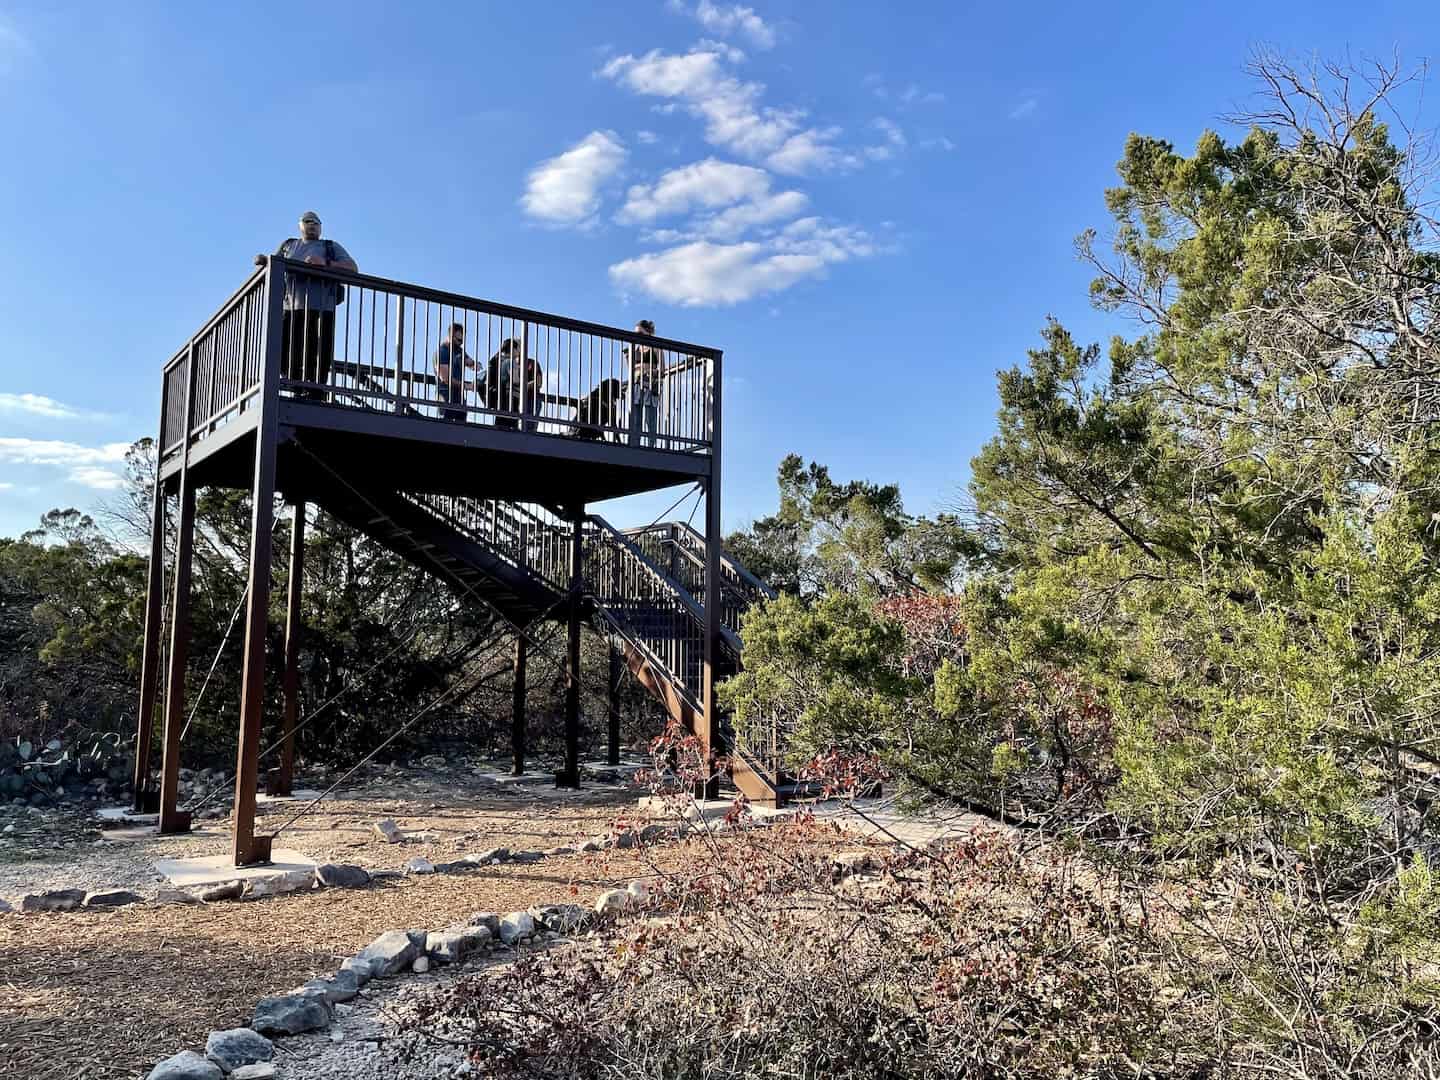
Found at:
[247, 847]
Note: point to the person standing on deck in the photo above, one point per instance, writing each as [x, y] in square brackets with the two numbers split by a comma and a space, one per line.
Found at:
[646, 367]
[308, 333]
[451, 360]
[513, 382]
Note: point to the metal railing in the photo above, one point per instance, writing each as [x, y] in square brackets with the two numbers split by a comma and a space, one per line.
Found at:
[655, 611]
[358, 340]
[680, 551]
[217, 374]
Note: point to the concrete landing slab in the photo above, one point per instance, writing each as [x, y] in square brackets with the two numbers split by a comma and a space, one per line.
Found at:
[123, 815]
[208, 870]
[135, 834]
[298, 795]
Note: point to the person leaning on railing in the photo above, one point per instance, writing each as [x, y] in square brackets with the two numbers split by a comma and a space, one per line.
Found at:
[308, 334]
[512, 385]
[643, 389]
[451, 360]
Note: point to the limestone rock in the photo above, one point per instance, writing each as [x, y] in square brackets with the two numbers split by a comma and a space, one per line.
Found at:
[341, 876]
[53, 900]
[175, 896]
[230, 890]
[186, 1065]
[516, 925]
[5, 907]
[236, 1047]
[487, 919]
[420, 965]
[342, 986]
[391, 952]
[591, 845]
[112, 898]
[566, 918]
[639, 892]
[359, 967]
[389, 830]
[526, 856]
[419, 866]
[613, 900]
[263, 1070]
[276, 884]
[291, 1014]
[561, 850]
[846, 863]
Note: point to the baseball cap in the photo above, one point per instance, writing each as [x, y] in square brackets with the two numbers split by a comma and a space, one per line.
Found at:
[310, 215]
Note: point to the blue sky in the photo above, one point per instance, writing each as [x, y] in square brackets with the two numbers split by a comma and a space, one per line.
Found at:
[870, 211]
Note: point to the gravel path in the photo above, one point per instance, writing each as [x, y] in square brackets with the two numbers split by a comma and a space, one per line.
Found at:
[104, 995]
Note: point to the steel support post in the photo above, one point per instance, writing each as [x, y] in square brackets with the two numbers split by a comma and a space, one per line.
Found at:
[569, 776]
[172, 820]
[143, 793]
[617, 670]
[249, 848]
[282, 779]
[710, 719]
[517, 711]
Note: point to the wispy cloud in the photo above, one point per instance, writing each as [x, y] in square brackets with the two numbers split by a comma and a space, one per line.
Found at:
[1025, 108]
[725, 20]
[646, 138]
[705, 274]
[895, 141]
[40, 405]
[89, 466]
[565, 190]
[911, 94]
[940, 142]
[735, 115]
[15, 47]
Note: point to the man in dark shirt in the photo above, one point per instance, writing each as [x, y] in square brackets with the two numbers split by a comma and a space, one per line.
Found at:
[451, 360]
[308, 332]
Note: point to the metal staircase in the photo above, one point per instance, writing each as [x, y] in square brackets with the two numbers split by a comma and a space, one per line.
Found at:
[638, 587]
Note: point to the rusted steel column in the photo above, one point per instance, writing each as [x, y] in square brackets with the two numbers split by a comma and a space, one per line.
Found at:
[710, 719]
[617, 670]
[247, 847]
[283, 781]
[569, 776]
[150, 649]
[517, 711]
[171, 819]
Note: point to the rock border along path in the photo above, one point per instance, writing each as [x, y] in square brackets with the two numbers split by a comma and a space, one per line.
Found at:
[313, 1007]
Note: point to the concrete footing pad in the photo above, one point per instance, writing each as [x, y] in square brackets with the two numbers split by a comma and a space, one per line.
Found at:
[298, 795]
[208, 870]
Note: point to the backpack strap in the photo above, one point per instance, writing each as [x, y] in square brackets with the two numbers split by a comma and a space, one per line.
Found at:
[284, 249]
[330, 251]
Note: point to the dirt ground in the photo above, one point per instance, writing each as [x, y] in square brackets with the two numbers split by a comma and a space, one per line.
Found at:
[105, 995]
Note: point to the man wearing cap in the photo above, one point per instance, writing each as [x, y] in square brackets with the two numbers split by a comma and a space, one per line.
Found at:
[308, 335]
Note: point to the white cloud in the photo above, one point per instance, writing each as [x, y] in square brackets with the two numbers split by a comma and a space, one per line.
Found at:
[647, 138]
[811, 151]
[702, 274]
[734, 115]
[99, 479]
[894, 143]
[705, 274]
[565, 190]
[86, 465]
[939, 143]
[5, 485]
[40, 405]
[730, 52]
[913, 95]
[727, 19]
[1024, 109]
[707, 184]
[737, 220]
